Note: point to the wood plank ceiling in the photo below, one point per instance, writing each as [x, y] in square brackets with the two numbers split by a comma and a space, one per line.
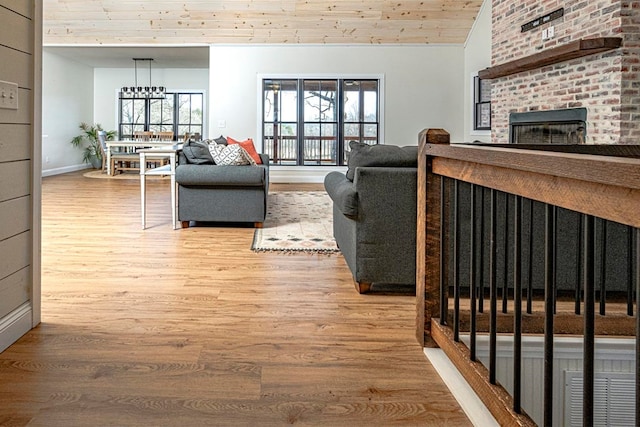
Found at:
[139, 22]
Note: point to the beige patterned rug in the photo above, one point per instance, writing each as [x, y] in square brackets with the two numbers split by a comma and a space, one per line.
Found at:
[297, 221]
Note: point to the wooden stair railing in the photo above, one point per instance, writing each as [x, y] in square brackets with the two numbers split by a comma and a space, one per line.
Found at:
[603, 187]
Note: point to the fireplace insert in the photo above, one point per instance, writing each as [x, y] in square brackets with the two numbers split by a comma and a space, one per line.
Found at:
[548, 127]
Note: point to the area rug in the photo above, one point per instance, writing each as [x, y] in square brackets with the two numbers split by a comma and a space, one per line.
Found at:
[297, 221]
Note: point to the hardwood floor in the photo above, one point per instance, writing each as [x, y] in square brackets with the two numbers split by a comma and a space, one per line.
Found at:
[190, 327]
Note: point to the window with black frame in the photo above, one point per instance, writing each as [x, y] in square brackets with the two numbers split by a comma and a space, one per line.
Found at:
[481, 104]
[311, 121]
[179, 113]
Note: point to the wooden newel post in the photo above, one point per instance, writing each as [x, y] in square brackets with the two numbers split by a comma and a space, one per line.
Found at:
[428, 237]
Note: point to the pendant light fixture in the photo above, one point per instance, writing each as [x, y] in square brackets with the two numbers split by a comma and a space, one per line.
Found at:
[142, 92]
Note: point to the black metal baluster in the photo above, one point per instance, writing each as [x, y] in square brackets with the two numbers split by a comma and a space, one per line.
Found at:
[603, 268]
[554, 259]
[589, 319]
[505, 272]
[472, 273]
[456, 261]
[637, 263]
[548, 314]
[578, 294]
[481, 269]
[493, 289]
[444, 291]
[517, 304]
[630, 272]
[530, 270]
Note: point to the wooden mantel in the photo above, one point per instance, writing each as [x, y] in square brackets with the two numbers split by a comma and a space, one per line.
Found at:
[576, 49]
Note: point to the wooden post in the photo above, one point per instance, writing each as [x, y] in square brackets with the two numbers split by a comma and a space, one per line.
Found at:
[428, 238]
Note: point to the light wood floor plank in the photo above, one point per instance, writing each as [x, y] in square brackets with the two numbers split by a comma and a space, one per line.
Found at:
[190, 327]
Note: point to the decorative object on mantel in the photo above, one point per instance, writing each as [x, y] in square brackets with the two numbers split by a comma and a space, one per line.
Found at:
[297, 221]
[142, 92]
[575, 49]
[556, 14]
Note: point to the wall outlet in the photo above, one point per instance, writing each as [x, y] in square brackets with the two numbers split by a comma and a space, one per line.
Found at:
[222, 123]
[8, 95]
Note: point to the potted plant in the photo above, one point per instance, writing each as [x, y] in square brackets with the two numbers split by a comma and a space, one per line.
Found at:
[89, 139]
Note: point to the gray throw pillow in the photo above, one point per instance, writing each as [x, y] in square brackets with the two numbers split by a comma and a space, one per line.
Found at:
[221, 140]
[380, 155]
[197, 153]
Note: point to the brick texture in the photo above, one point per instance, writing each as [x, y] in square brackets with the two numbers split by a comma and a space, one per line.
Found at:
[607, 84]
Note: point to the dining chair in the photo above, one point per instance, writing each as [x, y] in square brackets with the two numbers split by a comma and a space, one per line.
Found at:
[160, 136]
[119, 161]
[164, 135]
[142, 135]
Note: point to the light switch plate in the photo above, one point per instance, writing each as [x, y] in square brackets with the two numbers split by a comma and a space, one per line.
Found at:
[8, 95]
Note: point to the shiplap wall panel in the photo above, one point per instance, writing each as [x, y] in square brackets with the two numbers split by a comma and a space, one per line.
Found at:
[19, 238]
[16, 67]
[15, 217]
[19, 6]
[14, 291]
[15, 31]
[17, 254]
[258, 21]
[14, 142]
[15, 180]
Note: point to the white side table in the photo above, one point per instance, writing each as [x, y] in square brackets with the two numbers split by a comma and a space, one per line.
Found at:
[170, 169]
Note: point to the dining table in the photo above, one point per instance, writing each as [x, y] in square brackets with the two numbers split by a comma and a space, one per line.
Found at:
[134, 146]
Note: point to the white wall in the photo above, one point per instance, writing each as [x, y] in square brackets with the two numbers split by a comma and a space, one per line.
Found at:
[67, 100]
[110, 80]
[477, 56]
[422, 84]
[425, 86]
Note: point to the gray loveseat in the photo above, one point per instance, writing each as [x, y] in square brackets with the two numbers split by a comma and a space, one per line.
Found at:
[374, 214]
[221, 193]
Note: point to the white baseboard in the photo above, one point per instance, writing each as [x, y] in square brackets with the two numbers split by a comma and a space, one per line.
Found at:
[14, 325]
[65, 169]
[301, 174]
[471, 404]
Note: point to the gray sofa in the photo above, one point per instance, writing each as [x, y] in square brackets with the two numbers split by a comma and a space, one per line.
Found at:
[374, 214]
[219, 193]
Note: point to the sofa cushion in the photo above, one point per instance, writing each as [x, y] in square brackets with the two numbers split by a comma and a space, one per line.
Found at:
[248, 147]
[230, 155]
[380, 155]
[197, 153]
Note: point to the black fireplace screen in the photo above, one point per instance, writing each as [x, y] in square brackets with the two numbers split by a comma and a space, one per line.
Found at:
[548, 127]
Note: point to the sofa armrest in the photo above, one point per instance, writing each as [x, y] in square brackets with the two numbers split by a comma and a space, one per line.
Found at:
[342, 192]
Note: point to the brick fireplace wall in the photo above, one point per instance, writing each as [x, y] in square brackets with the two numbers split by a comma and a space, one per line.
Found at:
[607, 84]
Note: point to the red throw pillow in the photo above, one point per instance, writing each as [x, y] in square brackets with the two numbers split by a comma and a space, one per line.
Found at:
[248, 147]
